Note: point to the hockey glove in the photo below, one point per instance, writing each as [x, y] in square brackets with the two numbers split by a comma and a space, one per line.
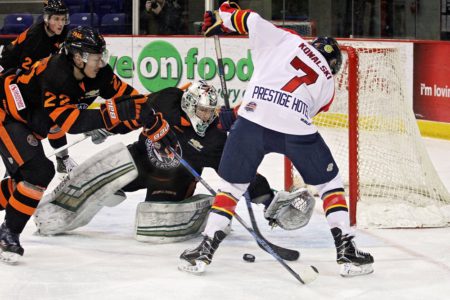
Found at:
[227, 116]
[98, 136]
[212, 24]
[123, 108]
[161, 136]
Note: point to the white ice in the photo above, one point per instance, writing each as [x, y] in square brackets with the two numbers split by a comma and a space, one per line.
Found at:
[103, 261]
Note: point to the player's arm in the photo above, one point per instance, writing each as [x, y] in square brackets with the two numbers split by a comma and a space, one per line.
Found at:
[231, 18]
[58, 103]
[12, 54]
[113, 87]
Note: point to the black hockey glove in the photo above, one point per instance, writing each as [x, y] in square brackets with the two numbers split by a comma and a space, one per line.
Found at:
[227, 116]
[98, 136]
[161, 135]
[212, 24]
[124, 108]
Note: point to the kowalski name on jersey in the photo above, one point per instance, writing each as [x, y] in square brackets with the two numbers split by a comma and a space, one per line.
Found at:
[322, 65]
[280, 98]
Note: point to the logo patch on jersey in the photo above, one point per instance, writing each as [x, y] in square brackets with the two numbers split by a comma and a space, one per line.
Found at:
[93, 93]
[196, 145]
[31, 139]
[82, 106]
[1, 68]
[18, 99]
[11, 160]
[159, 160]
[251, 106]
[330, 167]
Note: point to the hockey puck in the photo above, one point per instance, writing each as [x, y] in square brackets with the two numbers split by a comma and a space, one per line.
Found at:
[248, 257]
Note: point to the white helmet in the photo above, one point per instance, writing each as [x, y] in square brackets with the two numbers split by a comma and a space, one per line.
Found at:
[200, 102]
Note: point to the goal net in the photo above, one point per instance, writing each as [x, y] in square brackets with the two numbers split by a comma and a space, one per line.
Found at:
[373, 135]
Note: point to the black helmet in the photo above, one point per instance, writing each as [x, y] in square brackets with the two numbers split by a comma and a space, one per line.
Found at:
[55, 7]
[83, 39]
[329, 48]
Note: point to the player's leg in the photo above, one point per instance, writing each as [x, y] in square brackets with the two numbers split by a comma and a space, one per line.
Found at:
[243, 152]
[25, 160]
[57, 139]
[313, 160]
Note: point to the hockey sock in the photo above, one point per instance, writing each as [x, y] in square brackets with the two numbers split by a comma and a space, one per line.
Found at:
[222, 211]
[6, 189]
[57, 138]
[336, 210]
[22, 204]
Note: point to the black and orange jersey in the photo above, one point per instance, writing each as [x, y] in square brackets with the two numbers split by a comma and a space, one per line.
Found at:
[49, 94]
[30, 46]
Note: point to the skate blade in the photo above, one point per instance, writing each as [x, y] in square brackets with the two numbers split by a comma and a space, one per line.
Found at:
[197, 269]
[350, 270]
[9, 257]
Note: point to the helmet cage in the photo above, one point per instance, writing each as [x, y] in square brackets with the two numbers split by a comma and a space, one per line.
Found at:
[200, 103]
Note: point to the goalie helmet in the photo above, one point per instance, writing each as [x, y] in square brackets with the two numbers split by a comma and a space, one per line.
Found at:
[329, 48]
[200, 103]
[55, 7]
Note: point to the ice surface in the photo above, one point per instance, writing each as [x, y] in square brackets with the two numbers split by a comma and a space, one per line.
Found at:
[103, 261]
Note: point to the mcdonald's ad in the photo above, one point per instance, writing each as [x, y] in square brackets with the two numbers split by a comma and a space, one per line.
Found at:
[432, 81]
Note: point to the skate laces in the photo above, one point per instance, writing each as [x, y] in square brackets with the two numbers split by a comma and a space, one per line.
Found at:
[349, 244]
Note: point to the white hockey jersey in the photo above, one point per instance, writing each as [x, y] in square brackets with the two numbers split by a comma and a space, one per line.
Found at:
[291, 81]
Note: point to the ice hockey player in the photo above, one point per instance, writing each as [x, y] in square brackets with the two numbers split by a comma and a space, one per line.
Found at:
[56, 90]
[293, 81]
[37, 42]
[170, 212]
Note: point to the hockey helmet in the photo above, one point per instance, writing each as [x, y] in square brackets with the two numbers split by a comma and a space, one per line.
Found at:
[55, 7]
[85, 40]
[329, 48]
[200, 103]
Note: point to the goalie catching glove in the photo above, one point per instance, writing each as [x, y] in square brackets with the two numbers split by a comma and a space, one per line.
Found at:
[292, 210]
[160, 135]
[123, 108]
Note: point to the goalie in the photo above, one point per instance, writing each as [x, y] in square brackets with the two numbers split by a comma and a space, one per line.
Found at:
[170, 212]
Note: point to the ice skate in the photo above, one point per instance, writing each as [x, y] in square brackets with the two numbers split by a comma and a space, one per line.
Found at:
[65, 164]
[10, 249]
[353, 261]
[195, 260]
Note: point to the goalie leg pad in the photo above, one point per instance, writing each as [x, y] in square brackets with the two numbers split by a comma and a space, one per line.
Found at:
[169, 222]
[292, 210]
[93, 184]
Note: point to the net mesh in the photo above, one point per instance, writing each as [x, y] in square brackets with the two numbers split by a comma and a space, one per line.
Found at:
[398, 185]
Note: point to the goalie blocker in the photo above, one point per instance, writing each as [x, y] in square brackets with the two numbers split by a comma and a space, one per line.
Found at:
[96, 183]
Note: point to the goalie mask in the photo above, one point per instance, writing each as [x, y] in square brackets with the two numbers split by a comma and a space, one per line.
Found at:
[329, 48]
[200, 103]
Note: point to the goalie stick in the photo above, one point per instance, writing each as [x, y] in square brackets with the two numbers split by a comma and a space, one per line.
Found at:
[306, 274]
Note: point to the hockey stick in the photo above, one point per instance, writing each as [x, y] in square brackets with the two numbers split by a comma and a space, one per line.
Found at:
[285, 253]
[67, 146]
[221, 70]
[308, 273]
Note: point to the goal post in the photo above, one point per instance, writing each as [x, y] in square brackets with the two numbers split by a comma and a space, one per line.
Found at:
[373, 135]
